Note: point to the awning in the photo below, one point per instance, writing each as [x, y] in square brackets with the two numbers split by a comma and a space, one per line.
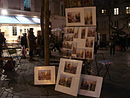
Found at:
[8, 20]
[18, 20]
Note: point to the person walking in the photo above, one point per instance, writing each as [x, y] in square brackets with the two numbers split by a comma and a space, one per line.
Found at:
[112, 46]
[32, 43]
[24, 45]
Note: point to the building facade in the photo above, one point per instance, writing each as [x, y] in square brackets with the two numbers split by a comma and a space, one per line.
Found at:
[112, 17]
[20, 15]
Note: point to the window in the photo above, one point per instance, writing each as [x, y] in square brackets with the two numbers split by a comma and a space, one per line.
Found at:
[104, 11]
[27, 5]
[14, 31]
[127, 10]
[116, 11]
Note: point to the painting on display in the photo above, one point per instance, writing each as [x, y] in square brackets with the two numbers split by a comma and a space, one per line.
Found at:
[44, 75]
[74, 16]
[85, 16]
[68, 76]
[90, 86]
[90, 16]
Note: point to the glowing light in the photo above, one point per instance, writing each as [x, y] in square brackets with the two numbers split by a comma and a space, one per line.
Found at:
[4, 12]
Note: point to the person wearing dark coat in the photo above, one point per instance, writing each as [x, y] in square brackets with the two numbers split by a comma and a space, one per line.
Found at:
[24, 44]
[2, 43]
[32, 43]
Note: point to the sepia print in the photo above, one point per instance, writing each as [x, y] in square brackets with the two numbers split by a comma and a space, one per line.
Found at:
[80, 53]
[70, 67]
[88, 54]
[68, 78]
[70, 30]
[83, 32]
[65, 80]
[89, 42]
[90, 85]
[44, 74]
[91, 32]
[88, 17]
[68, 37]
[73, 17]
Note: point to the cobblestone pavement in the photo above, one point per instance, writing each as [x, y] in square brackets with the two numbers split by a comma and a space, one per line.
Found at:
[22, 85]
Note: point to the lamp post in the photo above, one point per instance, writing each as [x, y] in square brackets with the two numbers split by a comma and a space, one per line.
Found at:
[45, 29]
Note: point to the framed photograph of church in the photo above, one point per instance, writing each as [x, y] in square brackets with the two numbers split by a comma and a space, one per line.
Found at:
[44, 75]
[90, 86]
[90, 16]
[74, 16]
[68, 78]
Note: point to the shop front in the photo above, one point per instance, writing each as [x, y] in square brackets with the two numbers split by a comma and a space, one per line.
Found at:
[13, 27]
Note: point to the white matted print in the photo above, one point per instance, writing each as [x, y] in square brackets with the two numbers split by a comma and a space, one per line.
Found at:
[90, 86]
[89, 53]
[90, 16]
[44, 75]
[89, 42]
[91, 31]
[68, 78]
[69, 30]
[74, 16]
[83, 32]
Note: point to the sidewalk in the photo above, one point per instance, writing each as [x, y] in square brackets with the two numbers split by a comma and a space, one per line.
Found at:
[24, 86]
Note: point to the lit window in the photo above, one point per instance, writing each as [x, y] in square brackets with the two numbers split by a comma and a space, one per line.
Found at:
[27, 5]
[116, 11]
[127, 10]
[14, 31]
[104, 11]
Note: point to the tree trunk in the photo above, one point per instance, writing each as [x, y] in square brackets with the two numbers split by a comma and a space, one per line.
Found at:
[45, 29]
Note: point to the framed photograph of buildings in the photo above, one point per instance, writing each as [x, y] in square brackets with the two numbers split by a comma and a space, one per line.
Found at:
[90, 86]
[89, 42]
[89, 53]
[68, 78]
[91, 31]
[74, 16]
[44, 75]
[90, 16]
[69, 30]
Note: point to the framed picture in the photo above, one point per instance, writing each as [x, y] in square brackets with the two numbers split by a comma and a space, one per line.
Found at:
[90, 86]
[69, 30]
[74, 16]
[90, 16]
[89, 53]
[89, 42]
[68, 78]
[44, 75]
[91, 32]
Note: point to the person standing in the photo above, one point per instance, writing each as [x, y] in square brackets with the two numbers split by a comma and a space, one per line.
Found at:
[24, 45]
[2, 43]
[112, 46]
[32, 43]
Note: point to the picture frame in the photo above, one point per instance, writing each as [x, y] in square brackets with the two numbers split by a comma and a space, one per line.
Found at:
[91, 31]
[90, 16]
[74, 16]
[89, 53]
[44, 75]
[90, 85]
[68, 78]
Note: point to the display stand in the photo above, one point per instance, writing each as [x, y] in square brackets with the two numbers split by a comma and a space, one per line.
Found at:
[79, 37]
